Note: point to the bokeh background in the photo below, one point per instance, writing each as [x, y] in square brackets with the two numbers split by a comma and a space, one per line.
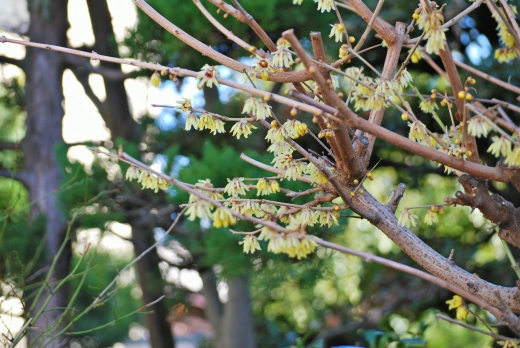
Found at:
[52, 107]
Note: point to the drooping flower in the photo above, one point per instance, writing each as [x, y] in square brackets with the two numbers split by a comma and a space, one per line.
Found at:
[258, 108]
[479, 127]
[328, 218]
[222, 217]
[505, 36]
[295, 128]
[250, 244]
[242, 128]
[208, 76]
[280, 148]
[236, 187]
[263, 187]
[317, 176]
[192, 121]
[513, 159]
[277, 134]
[200, 209]
[325, 5]
[132, 173]
[407, 218]
[337, 31]
[431, 216]
[430, 23]
[500, 146]
[505, 55]
[282, 58]
[266, 233]
[274, 185]
[294, 170]
[297, 2]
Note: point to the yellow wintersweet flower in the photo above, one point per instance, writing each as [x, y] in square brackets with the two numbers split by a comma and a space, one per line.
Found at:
[250, 244]
[236, 187]
[500, 146]
[257, 108]
[431, 216]
[264, 66]
[294, 170]
[274, 186]
[317, 175]
[505, 55]
[509, 343]
[337, 32]
[132, 173]
[479, 127]
[208, 76]
[295, 128]
[513, 159]
[328, 218]
[266, 234]
[242, 128]
[276, 243]
[192, 121]
[282, 58]
[222, 217]
[325, 5]
[280, 148]
[431, 24]
[277, 134]
[263, 188]
[407, 218]
[455, 302]
[200, 209]
[184, 104]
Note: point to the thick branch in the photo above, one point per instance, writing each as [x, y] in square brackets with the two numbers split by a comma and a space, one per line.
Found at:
[341, 144]
[380, 26]
[392, 58]
[432, 261]
[494, 207]
[456, 86]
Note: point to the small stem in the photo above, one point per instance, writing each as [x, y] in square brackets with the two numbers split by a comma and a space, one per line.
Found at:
[511, 258]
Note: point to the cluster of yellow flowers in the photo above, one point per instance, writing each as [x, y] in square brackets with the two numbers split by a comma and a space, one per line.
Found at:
[431, 22]
[266, 188]
[365, 98]
[147, 179]
[257, 108]
[205, 121]
[508, 53]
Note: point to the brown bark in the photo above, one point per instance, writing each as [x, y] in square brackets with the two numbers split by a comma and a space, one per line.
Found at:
[44, 116]
[430, 260]
[494, 207]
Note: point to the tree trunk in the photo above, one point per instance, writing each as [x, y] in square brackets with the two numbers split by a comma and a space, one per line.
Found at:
[44, 96]
[116, 111]
[152, 286]
[214, 307]
[237, 327]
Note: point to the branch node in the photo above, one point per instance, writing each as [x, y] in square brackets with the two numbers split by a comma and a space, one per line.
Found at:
[450, 258]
